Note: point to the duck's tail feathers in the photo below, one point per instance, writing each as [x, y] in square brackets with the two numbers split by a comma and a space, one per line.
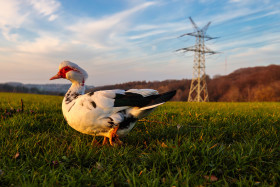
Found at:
[159, 100]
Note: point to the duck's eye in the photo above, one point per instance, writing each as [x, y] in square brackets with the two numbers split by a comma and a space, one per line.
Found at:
[66, 69]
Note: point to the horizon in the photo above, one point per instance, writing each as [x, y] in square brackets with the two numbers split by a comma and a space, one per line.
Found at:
[69, 83]
[122, 41]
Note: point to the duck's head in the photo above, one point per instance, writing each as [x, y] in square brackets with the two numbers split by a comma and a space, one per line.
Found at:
[71, 71]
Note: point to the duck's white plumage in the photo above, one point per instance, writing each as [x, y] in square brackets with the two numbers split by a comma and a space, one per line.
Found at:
[103, 113]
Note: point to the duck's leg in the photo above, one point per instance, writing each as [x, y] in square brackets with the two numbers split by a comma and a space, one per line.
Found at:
[105, 141]
[113, 134]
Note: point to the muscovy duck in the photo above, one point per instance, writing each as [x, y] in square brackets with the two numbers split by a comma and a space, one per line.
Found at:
[108, 113]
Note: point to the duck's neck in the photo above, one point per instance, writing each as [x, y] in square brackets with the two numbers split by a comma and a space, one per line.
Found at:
[78, 88]
[74, 91]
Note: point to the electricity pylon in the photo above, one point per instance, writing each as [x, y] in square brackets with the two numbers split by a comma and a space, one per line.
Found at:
[198, 91]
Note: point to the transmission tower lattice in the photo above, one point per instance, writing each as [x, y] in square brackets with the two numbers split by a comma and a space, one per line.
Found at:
[198, 91]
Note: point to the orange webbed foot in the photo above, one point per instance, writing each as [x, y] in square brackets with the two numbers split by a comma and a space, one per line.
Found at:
[113, 135]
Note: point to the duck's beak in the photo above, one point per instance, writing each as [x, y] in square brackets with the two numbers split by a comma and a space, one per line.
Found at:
[57, 76]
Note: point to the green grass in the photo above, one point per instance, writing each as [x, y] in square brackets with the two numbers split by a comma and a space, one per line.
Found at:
[179, 144]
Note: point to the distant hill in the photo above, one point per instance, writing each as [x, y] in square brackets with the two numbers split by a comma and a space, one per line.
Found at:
[53, 89]
[246, 84]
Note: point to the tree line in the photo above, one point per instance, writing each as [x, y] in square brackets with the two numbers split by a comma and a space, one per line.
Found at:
[242, 85]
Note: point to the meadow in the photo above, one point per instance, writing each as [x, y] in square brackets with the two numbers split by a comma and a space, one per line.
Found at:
[180, 144]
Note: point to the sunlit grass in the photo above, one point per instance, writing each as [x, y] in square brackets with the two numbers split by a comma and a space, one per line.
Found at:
[179, 144]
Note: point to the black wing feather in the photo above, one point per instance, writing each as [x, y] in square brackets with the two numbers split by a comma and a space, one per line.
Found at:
[134, 99]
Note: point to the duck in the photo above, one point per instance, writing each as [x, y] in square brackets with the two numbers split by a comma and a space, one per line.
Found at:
[108, 113]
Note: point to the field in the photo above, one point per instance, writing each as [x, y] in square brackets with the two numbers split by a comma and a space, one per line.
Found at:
[180, 144]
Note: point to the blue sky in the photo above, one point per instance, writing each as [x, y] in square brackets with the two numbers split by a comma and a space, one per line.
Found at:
[118, 41]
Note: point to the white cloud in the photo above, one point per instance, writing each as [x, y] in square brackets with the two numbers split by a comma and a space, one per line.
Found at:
[53, 17]
[232, 14]
[267, 50]
[103, 33]
[43, 44]
[16, 14]
[235, 1]
[243, 2]
[46, 7]
[147, 34]
[11, 17]
[9, 13]
[144, 27]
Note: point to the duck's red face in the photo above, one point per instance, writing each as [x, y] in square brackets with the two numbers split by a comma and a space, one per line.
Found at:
[62, 72]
